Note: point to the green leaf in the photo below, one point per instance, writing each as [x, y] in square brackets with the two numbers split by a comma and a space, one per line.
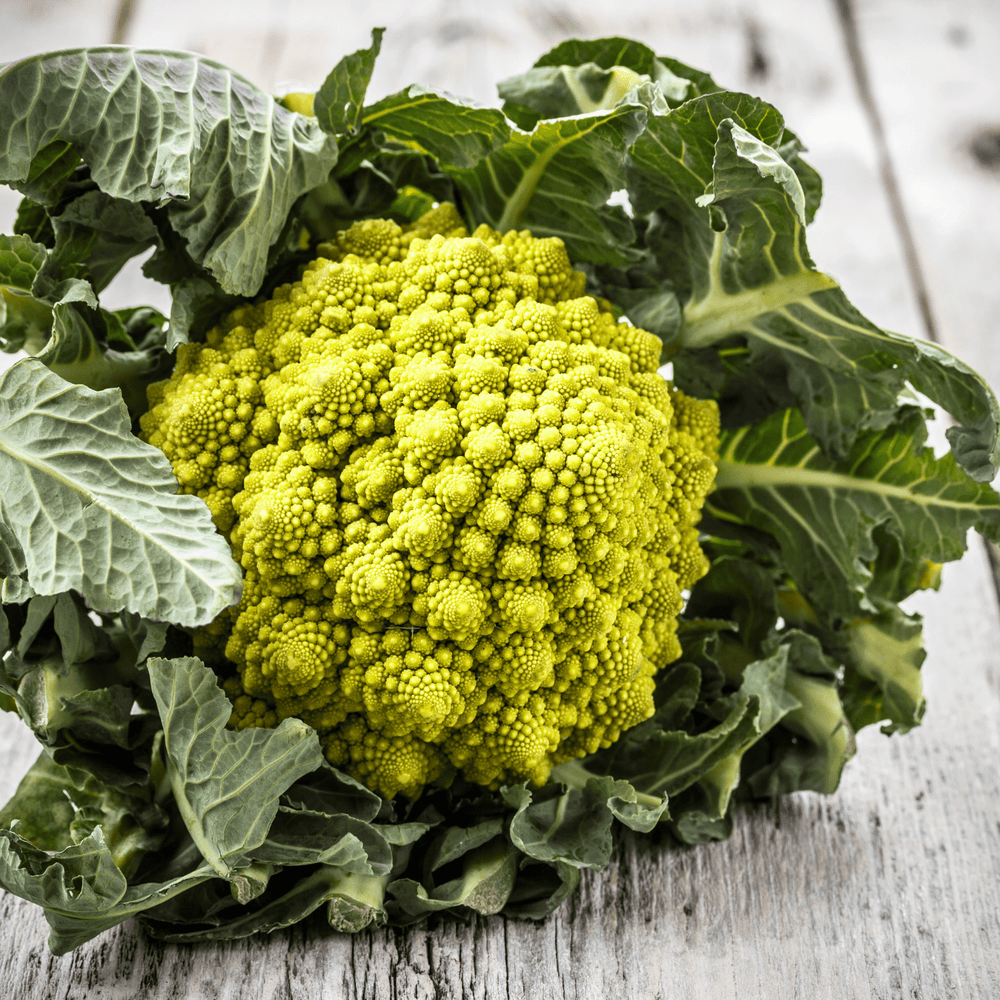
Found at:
[97, 234]
[175, 129]
[51, 170]
[81, 889]
[553, 823]
[486, 881]
[454, 130]
[540, 888]
[673, 79]
[14, 588]
[72, 684]
[42, 806]
[338, 103]
[764, 688]
[636, 810]
[226, 784]
[645, 298]
[365, 193]
[564, 91]
[659, 759]
[809, 749]
[604, 52]
[195, 304]
[57, 319]
[885, 653]
[677, 693]
[741, 591]
[24, 321]
[767, 681]
[20, 261]
[302, 837]
[736, 255]
[330, 791]
[455, 841]
[131, 821]
[76, 882]
[353, 903]
[556, 181]
[658, 762]
[695, 818]
[94, 509]
[774, 477]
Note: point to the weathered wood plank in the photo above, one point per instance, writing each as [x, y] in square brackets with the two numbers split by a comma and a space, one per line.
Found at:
[886, 889]
[934, 77]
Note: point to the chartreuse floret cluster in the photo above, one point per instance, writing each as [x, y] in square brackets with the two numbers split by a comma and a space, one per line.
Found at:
[463, 499]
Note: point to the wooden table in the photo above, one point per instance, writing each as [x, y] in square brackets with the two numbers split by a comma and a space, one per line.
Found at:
[888, 888]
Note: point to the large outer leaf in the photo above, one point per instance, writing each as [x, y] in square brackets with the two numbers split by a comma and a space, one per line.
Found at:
[174, 128]
[735, 251]
[556, 180]
[226, 784]
[91, 508]
[775, 478]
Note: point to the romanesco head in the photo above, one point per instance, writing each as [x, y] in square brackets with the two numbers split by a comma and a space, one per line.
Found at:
[463, 499]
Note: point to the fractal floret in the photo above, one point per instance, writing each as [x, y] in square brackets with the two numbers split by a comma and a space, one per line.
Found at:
[463, 499]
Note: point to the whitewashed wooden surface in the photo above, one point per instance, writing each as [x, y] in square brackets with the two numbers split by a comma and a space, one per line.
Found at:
[889, 888]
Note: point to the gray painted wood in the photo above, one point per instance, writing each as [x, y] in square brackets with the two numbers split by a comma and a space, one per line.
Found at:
[938, 89]
[886, 889]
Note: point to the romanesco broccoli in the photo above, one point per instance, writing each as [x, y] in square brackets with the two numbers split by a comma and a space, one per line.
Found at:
[463, 499]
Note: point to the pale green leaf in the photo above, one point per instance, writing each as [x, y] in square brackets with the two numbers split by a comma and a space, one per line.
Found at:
[81, 889]
[354, 902]
[564, 91]
[674, 80]
[226, 784]
[94, 509]
[171, 129]
[556, 823]
[304, 837]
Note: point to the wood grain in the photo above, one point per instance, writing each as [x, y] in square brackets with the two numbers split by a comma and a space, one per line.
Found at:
[886, 889]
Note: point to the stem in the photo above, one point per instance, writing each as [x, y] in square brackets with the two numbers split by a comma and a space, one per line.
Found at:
[192, 824]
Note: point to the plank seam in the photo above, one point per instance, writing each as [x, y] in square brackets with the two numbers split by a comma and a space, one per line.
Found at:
[852, 40]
